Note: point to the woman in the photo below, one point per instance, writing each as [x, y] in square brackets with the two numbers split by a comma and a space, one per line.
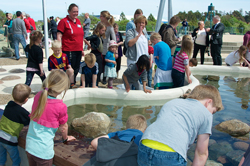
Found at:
[8, 25]
[169, 35]
[108, 21]
[136, 41]
[70, 32]
[201, 40]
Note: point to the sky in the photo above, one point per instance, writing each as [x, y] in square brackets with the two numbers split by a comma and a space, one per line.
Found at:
[115, 7]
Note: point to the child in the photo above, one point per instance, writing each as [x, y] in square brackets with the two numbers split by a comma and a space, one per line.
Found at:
[48, 114]
[192, 118]
[136, 71]
[163, 60]
[135, 126]
[35, 58]
[12, 122]
[109, 70]
[119, 41]
[181, 64]
[149, 72]
[235, 56]
[96, 45]
[89, 71]
[193, 62]
[59, 60]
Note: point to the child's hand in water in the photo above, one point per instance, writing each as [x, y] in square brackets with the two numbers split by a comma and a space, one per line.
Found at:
[127, 88]
[189, 80]
[71, 138]
[147, 91]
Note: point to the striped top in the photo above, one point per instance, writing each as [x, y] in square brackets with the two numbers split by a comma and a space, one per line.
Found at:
[180, 62]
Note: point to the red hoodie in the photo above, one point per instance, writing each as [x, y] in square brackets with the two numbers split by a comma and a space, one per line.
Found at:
[246, 38]
[32, 22]
[27, 25]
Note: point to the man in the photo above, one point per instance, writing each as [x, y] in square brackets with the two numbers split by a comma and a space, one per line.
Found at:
[86, 27]
[216, 39]
[19, 31]
[53, 29]
[32, 23]
[184, 25]
[27, 26]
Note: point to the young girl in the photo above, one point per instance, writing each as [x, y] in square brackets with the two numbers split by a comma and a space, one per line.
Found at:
[96, 45]
[136, 71]
[48, 114]
[110, 57]
[181, 64]
[119, 41]
[35, 58]
[235, 56]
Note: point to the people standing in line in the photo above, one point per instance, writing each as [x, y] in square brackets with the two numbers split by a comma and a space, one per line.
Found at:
[119, 41]
[70, 33]
[57, 20]
[8, 31]
[53, 29]
[108, 20]
[169, 34]
[27, 26]
[32, 23]
[216, 33]
[86, 28]
[184, 26]
[19, 34]
[201, 40]
[246, 38]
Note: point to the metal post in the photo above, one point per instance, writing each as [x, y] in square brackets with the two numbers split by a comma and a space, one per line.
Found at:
[160, 14]
[45, 30]
[170, 14]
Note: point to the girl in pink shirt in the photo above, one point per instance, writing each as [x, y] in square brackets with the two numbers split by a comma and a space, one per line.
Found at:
[181, 64]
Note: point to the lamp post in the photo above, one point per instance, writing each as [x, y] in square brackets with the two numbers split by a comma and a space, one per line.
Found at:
[160, 14]
[45, 30]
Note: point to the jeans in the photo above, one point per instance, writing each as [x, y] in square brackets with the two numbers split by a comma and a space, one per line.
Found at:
[202, 49]
[13, 152]
[19, 38]
[178, 78]
[30, 75]
[149, 76]
[150, 157]
[86, 34]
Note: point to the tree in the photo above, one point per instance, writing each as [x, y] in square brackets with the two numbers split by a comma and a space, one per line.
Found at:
[151, 18]
[238, 15]
[122, 17]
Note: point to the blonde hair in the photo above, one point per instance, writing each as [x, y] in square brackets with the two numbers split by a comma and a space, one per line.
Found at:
[240, 51]
[201, 92]
[187, 47]
[55, 83]
[137, 121]
[90, 59]
[99, 26]
[34, 36]
[108, 16]
[141, 19]
[155, 36]
[186, 37]
[56, 44]
[10, 15]
[21, 92]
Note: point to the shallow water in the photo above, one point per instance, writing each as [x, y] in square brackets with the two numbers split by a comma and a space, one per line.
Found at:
[235, 98]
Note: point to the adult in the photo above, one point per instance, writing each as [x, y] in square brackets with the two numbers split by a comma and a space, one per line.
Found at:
[161, 30]
[57, 20]
[170, 34]
[32, 23]
[108, 20]
[136, 41]
[201, 40]
[184, 26]
[27, 26]
[53, 28]
[8, 26]
[216, 39]
[19, 34]
[86, 27]
[70, 32]
[246, 38]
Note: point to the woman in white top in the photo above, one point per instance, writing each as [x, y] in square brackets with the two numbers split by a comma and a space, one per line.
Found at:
[201, 40]
[235, 56]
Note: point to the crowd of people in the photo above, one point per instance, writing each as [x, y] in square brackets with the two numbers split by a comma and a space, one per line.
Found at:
[157, 144]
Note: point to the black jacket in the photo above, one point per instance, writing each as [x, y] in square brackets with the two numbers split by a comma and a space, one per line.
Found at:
[217, 34]
[112, 152]
[35, 56]
[53, 26]
[207, 37]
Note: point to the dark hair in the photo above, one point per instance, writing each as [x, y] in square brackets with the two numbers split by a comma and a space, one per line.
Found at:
[51, 17]
[162, 28]
[6, 14]
[174, 20]
[142, 62]
[194, 61]
[71, 6]
[138, 11]
[18, 13]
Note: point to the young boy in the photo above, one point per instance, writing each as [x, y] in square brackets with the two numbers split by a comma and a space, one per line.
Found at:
[193, 62]
[135, 126]
[163, 60]
[178, 124]
[12, 122]
[89, 71]
[59, 60]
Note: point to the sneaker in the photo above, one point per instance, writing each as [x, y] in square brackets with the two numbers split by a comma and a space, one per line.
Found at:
[110, 87]
[104, 82]
[72, 86]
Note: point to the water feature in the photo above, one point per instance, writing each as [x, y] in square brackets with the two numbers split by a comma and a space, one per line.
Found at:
[235, 97]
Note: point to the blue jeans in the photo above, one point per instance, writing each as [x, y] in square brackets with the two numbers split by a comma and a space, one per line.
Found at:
[150, 157]
[86, 34]
[13, 152]
[30, 75]
[19, 38]
[149, 76]
[178, 78]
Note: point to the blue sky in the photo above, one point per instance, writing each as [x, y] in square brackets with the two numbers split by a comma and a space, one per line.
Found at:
[59, 7]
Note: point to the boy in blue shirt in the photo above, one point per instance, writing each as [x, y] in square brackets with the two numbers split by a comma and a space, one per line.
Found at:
[135, 127]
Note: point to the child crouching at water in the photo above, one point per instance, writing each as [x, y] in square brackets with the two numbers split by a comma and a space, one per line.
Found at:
[235, 56]
[48, 114]
[136, 71]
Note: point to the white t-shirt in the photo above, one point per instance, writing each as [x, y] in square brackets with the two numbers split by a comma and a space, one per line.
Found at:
[248, 55]
[201, 37]
[232, 58]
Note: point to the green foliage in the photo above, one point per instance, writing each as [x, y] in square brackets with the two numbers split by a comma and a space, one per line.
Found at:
[151, 18]
[122, 24]
[93, 19]
[122, 17]
[241, 27]
[2, 18]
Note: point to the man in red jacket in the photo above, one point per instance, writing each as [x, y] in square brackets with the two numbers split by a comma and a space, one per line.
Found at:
[32, 22]
[27, 26]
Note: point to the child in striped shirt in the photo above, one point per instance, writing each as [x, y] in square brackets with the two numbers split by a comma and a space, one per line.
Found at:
[181, 64]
